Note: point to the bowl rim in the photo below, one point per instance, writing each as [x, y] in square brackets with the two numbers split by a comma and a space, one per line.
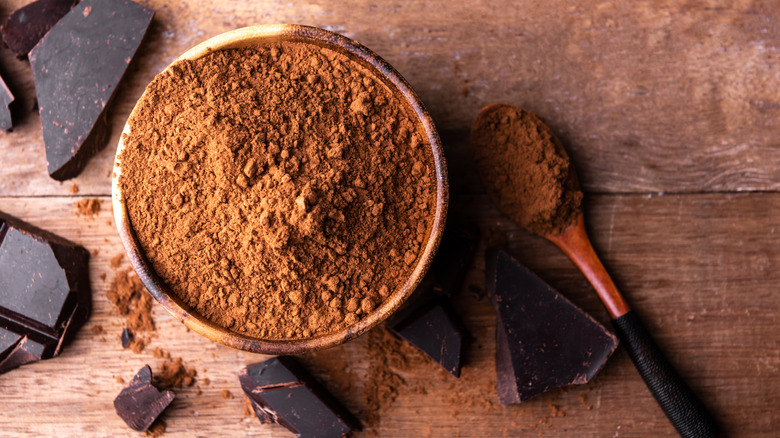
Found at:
[254, 35]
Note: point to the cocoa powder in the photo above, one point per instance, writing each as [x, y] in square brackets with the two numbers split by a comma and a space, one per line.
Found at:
[133, 301]
[88, 207]
[282, 191]
[525, 169]
[173, 373]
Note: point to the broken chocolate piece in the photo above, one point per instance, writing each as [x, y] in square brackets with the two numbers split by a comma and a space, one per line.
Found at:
[27, 25]
[44, 292]
[429, 323]
[435, 330]
[458, 243]
[543, 341]
[127, 337]
[77, 67]
[6, 97]
[140, 402]
[282, 392]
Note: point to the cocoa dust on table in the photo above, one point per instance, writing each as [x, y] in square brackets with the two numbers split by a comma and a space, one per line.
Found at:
[173, 374]
[88, 207]
[157, 429]
[525, 169]
[133, 301]
[281, 191]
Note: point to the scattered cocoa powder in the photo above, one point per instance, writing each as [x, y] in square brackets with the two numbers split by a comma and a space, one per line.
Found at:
[227, 395]
[88, 207]
[97, 329]
[282, 191]
[383, 382]
[116, 261]
[133, 301]
[138, 344]
[248, 411]
[173, 373]
[525, 169]
[157, 429]
[74, 189]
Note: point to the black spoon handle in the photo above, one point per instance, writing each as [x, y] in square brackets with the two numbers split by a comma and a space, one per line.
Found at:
[684, 410]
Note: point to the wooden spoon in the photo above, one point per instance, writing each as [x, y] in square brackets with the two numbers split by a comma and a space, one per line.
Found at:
[684, 410]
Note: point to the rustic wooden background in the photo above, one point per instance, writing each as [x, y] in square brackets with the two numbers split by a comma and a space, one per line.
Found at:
[671, 112]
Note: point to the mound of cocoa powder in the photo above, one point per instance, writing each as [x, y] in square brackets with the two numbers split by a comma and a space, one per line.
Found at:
[525, 169]
[282, 191]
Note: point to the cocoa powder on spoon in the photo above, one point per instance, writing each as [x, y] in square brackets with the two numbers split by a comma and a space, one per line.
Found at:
[525, 169]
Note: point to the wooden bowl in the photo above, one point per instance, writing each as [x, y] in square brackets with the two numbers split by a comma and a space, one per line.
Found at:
[250, 36]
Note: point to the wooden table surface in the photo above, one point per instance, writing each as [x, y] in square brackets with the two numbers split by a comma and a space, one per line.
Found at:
[671, 113]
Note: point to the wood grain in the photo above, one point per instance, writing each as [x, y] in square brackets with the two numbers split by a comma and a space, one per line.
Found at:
[701, 269]
[667, 108]
[648, 97]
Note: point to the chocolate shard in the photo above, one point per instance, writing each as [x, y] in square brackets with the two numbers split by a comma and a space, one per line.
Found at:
[543, 341]
[282, 392]
[435, 329]
[44, 292]
[456, 250]
[27, 25]
[140, 402]
[429, 323]
[127, 337]
[6, 97]
[260, 413]
[77, 67]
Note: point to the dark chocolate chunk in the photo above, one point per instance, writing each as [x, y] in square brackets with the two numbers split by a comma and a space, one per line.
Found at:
[428, 322]
[127, 337]
[543, 341]
[282, 392]
[27, 25]
[458, 243]
[435, 330]
[8, 341]
[140, 402]
[77, 67]
[6, 97]
[44, 292]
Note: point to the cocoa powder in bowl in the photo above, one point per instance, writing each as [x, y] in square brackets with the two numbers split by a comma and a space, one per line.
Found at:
[282, 191]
